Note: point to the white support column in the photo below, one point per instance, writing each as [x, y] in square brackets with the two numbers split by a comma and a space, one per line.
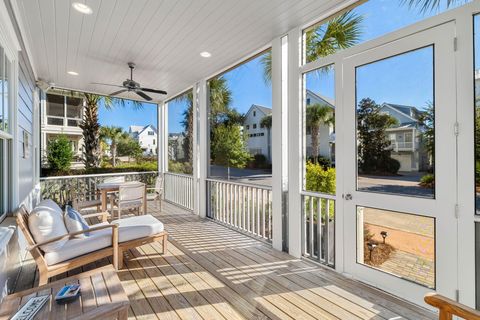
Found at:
[295, 157]
[202, 146]
[196, 150]
[465, 156]
[279, 138]
[162, 152]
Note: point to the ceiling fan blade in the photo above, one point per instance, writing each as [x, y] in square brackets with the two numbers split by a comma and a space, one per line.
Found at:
[106, 84]
[118, 92]
[153, 90]
[143, 95]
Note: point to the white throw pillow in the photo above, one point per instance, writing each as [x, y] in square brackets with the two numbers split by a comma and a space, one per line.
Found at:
[75, 222]
[46, 222]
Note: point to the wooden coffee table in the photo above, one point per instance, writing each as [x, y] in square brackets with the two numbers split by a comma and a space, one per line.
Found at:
[102, 297]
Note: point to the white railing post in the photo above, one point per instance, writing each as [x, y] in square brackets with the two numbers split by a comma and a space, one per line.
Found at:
[162, 153]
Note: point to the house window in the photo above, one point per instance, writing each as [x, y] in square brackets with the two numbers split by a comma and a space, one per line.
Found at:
[153, 141]
[308, 101]
[248, 126]
[6, 101]
[151, 133]
[254, 113]
[254, 126]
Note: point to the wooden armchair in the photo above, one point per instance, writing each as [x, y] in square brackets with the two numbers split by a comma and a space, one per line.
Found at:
[449, 308]
[156, 192]
[45, 270]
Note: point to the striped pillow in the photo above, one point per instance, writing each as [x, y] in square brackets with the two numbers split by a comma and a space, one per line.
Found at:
[75, 222]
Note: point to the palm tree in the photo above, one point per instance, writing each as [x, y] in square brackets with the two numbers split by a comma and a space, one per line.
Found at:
[338, 33]
[431, 5]
[91, 127]
[266, 122]
[112, 134]
[316, 115]
[220, 111]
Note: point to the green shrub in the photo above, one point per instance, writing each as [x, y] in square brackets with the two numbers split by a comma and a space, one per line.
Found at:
[180, 167]
[320, 179]
[392, 165]
[427, 181]
[259, 161]
[59, 154]
[324, 162]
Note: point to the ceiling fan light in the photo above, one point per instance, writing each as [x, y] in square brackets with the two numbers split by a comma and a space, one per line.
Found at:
[72, 73]
[205, 54]
[82, 8]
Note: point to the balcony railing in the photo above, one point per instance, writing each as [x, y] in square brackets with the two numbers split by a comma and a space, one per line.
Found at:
[401, 145]
[62, 121]
[245, 207]
[62, 189]
[178, 189]
[318, 231]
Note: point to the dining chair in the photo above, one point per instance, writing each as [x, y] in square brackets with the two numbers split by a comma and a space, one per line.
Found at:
[157, 191]
[131, 195]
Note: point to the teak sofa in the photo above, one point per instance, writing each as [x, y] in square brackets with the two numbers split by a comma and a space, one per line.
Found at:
[120, 235]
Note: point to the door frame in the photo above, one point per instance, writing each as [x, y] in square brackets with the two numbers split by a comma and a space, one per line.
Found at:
[440, 39]
[463, 18]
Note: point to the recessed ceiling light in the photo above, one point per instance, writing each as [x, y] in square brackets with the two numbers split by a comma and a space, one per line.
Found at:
[205, 54]
[73, 73]
[81, 7]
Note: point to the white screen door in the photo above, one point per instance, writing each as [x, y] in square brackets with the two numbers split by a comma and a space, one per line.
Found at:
[400, 168]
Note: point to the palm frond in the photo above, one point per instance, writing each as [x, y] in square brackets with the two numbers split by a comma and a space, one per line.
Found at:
[430, 5]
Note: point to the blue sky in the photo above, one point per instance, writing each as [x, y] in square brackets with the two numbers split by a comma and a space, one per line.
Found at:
[406, 79]
[124, 116]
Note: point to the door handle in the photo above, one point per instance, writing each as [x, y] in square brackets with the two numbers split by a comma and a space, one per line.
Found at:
[348, 196]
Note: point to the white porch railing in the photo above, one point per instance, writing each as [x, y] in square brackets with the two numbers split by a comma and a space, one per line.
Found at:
[178, 189]
[60, 188]
[245, 207]
[318, 227]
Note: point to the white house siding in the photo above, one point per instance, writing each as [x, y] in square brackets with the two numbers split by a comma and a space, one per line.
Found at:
[12, 242]
[257, 138]
[147, 142]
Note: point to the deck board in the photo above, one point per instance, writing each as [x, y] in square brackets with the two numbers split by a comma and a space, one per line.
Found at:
[213, 272]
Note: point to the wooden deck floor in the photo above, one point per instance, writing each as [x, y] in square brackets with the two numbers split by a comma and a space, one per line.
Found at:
[212, 272]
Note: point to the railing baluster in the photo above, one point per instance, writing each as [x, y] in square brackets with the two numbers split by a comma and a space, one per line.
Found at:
[327, 231]
[319, 228]
[311, 228]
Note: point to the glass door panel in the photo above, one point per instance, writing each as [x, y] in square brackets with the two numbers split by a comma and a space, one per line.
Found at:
[400, 111]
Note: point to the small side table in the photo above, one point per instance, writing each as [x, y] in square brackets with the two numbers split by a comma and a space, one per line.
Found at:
[102, 297]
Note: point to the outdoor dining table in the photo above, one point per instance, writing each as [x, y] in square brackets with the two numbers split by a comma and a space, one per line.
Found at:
[107, 187]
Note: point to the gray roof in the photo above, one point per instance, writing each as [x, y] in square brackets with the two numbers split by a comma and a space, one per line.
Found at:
[410, 111]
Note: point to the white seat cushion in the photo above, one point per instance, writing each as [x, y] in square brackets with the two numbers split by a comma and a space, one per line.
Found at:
[128, 229]
[46, 222]
[79, 246]
[138, 227]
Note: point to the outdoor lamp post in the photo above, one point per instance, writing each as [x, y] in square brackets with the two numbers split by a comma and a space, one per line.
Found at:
[384, 235]
[371, 246]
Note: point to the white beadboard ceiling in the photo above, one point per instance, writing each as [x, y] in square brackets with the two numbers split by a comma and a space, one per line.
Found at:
[163, 37]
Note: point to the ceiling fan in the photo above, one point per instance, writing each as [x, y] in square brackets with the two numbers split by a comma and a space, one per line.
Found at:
[131, 85]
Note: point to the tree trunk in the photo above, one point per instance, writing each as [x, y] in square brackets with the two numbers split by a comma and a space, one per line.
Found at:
[315, 130]
[91, 134]
[114, 153]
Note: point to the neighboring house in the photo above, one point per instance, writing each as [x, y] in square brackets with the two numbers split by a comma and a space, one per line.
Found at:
[147, 138]
[62, 114]
[326, 145]
[258, 137]
[406, 137]
[175, 146]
